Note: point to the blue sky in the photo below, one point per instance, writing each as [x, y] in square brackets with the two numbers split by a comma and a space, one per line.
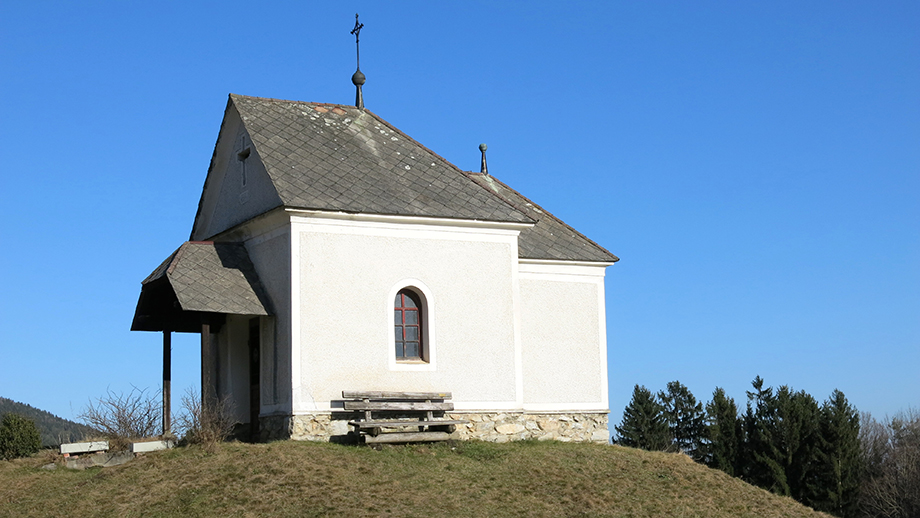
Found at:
[756, 167]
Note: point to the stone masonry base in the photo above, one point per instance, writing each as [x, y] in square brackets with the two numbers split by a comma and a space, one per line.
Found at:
[491, 427]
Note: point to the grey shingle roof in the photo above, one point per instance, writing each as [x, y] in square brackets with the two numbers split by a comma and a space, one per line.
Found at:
[549, 238]
[340, 158]
[212, 277]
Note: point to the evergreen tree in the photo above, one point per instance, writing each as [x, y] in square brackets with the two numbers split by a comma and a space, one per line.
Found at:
[782, 450]
[685, 419]
[798, 441]
[840, 457]
[643, 424]
[18, 437]
[724, 432]
[759, 453]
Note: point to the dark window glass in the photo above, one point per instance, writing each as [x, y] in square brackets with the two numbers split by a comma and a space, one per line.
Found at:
[408, 319]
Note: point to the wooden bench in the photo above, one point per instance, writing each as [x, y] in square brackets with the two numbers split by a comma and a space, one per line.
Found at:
[401, 410]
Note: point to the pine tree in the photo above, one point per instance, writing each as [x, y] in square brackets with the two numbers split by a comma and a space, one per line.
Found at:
[782, 447]
[685, 419]
[841, 463]
[643, 424]
[798, 441]
[724, 432]
[760, 465]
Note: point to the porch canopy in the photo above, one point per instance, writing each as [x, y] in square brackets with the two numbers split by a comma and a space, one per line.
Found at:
[193, 291]
[200, 283]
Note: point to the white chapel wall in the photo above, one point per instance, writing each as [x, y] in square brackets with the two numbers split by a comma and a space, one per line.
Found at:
[235, 190]
[347, 273]
[563, 337]
[270, 253]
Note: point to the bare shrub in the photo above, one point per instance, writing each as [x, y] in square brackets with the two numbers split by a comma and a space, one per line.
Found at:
[206, 428]
[891, 456]
[122, 417]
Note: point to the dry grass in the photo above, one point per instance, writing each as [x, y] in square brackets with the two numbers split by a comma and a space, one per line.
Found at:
[460, 479]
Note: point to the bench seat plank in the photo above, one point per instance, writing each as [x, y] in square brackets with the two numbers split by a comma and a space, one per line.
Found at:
[353, 394]
[393, 424]
[408, 406]
[407, 437]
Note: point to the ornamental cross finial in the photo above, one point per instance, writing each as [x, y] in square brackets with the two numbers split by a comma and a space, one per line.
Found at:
[358, 78]
[357, 32]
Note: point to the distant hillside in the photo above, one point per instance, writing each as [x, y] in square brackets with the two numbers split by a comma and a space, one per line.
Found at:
[54, 429]
[469, 479]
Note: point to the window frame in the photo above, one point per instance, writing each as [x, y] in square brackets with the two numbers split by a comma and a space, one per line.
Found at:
[427, 351]
[406, 302]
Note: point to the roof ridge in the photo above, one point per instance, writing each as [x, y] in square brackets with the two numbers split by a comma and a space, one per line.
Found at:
[448, 162]
[274, 99]
[177, 257]
[470, 175]
[550, 214]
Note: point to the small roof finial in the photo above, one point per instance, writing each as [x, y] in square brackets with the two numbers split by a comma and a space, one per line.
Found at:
[358, 78]
[483, 168]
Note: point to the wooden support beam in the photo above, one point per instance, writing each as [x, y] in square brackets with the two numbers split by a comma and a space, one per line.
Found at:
[167, 382]
[208, 396]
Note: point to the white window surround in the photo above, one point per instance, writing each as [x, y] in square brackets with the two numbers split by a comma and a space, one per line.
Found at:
[428, 328]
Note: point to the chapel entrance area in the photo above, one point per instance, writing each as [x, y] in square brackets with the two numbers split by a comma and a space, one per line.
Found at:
[202, 287]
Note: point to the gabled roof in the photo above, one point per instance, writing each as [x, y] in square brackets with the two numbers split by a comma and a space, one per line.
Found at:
[549, 238]
[199, 277]
[341, 158]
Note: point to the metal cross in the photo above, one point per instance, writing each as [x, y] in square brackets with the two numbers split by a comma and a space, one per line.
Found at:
[357, 32]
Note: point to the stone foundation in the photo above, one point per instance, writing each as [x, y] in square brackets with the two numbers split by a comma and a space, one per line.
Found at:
[310, 427]
[516, 426]
[491, 427]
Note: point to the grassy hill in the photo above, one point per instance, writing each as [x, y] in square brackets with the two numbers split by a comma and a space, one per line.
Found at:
[452, 479]
[54, 430]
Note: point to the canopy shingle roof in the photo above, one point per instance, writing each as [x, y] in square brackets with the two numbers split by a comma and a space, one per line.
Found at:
[212, 277]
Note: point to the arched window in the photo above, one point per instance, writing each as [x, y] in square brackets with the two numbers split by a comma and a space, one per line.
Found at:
[408, 317]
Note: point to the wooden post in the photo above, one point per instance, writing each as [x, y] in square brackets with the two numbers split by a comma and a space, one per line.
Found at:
[207, 372]
[167, 381]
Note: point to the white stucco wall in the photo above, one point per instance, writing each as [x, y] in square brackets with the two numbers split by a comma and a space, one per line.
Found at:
[269, 247]
[226, 201]
[563, 334]
[347, 276]
[505, 334]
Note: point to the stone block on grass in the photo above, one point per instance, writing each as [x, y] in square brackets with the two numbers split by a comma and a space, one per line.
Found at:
[84, 447]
